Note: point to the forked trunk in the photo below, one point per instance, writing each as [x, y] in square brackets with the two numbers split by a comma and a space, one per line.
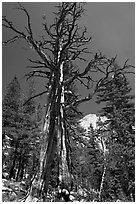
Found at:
[54, 135]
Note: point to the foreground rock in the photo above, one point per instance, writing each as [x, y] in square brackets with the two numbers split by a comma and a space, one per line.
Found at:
[12, 191]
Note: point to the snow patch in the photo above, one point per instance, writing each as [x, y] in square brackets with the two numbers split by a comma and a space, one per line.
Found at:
[91, 119]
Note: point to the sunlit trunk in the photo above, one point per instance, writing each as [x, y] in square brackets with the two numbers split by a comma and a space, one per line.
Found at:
[64, 174]
[102, 183]
[104, 149]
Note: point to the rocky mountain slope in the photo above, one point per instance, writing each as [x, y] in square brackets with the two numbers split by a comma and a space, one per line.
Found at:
[91, 119]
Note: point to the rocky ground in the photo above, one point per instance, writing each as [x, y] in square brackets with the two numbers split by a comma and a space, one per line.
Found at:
[13, 191]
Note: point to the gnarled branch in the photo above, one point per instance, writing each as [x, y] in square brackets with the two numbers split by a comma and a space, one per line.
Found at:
[39, 94]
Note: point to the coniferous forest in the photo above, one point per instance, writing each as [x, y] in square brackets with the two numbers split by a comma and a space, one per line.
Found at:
[47, 156]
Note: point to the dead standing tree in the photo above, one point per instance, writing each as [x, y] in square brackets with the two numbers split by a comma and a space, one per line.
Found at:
[66, 42]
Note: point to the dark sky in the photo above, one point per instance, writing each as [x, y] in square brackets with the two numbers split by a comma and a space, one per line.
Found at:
[111, 25]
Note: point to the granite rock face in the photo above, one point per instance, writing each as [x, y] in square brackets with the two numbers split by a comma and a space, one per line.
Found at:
[91, 119]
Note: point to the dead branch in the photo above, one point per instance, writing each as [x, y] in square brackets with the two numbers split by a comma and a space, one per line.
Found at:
[12, 40]
[47, 29]
[29, 38]
[85, 99]
[36, 67]
[9, 25]
[71, 79]
[36, 61]
[39, 94]
[87, 69]
[37, 48]
[38, 73]
[29, 29]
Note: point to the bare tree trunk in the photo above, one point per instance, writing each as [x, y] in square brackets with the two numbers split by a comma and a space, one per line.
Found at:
[104, 149]
[12, 169]
[54, 128]
[54, 135]
[64, 174]
[20, 169]
[102, 183]
[40, 183]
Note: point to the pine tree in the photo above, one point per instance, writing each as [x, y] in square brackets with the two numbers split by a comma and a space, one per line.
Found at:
[29, 135]
[10, 119]
[11, 103]
[119, 109]
[21, 132]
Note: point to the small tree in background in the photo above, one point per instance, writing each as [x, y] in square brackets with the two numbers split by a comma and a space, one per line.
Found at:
[30, 134]
[10, 121]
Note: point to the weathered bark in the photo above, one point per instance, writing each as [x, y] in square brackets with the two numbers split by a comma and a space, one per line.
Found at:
[55, 127]
[54, 134]
[64, 174]
[47, 150]
[20, 169]
[12, 169]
